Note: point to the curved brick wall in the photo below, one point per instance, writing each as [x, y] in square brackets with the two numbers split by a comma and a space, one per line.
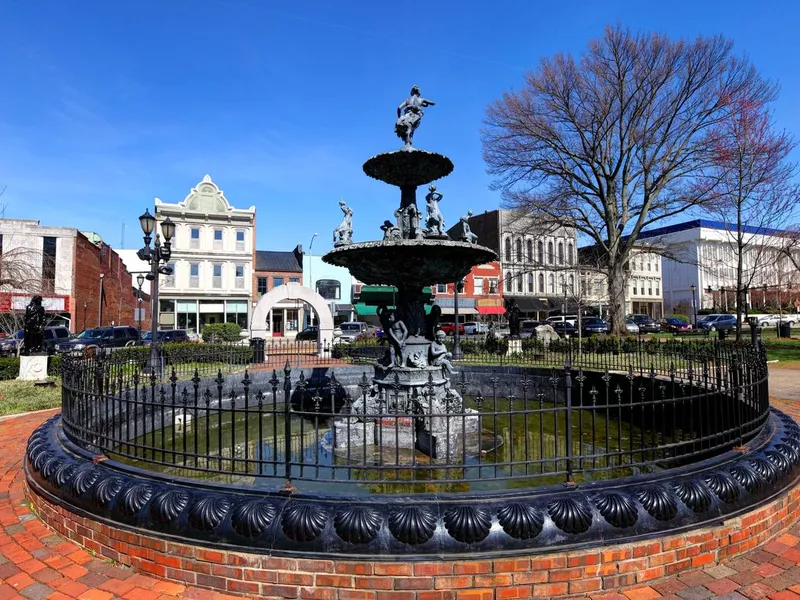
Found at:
[542, 575]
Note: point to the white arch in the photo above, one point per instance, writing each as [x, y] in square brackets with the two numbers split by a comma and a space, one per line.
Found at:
[293, 291]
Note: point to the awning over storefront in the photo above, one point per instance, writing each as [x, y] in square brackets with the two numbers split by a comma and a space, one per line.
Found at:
[491, 310]
[367, 310]
[466, 306]
[383, 294]
[531, 304]
[344, 309]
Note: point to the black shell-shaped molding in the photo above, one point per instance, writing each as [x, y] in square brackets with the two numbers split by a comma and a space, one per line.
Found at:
[792, 443]
[765, 468]
[82, 480]
[134, 498]
[620, 511]
[35, 446]
[208, 512]
[412, 524]
[570, 515]
[723, 486]
[790, 453]
[303, 522]
[659, 503]
[106, 490]
[39, 458]
[747, 477]
[357, 524]
[51, 466]
[779, 461]
[694, 494]
[520, 521]
[252, 518]
[64, 473]
[167, 506]
[467, 524]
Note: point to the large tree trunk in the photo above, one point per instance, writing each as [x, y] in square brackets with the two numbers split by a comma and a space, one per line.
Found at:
[617, 281]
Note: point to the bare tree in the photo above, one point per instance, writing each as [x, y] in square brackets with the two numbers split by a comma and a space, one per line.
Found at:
[609, 143]
[21, 274]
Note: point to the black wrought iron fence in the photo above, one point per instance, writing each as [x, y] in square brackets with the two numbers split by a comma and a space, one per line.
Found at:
[566, 420]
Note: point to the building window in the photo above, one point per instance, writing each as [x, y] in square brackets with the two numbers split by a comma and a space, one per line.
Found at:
[49, 265]
[493, 286]
[194, 242]
[552, 280]
[330, 289]
[560, 253]
[550, 252]
[294, 280]
[216, 279]
[520, 258]
[218, 239]
[187, 314]
[530, 283]
[477, 286]
[441, 288]
[508, 287]
[519, 283]
[571, 284]
[236, 312]
[570, 254]
[277, 281]
[649, 288]
[261, 285]
[239, 282]
[240, 241]
[169, 280]
[657, 261]
[508, 249]
[194, 275]
[530, 250]
[658, 290]
[541, 283]
[540, 254]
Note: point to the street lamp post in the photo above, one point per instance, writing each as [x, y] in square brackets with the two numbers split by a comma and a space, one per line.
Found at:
[100, 302]
[457, 287]
[156, 255]
[693, 287]
[140, 281]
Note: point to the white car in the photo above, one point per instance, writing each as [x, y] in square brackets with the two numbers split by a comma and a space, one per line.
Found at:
[473, 328]
[631, 326]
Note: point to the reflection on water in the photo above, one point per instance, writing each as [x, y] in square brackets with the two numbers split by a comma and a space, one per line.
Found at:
[521, 444]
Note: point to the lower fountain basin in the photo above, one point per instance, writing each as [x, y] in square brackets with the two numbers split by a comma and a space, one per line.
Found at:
[411, 263]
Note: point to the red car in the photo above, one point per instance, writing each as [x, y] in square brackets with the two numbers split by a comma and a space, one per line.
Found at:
[674, 325]
[450, 328]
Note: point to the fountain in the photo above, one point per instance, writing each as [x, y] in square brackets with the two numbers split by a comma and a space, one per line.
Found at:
[412, 379]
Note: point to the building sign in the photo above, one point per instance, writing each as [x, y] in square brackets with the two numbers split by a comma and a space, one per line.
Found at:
[488, 302]
[49, 303]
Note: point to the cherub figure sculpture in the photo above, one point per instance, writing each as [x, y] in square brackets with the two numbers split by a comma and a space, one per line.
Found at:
[390, 231]
[409, 115]
[466, 232]
[343, 234]
[439, 355]
[396, 332]
[435, 222]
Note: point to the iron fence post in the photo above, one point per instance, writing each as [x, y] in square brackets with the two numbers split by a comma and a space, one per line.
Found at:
[287, 425]
[568, 395]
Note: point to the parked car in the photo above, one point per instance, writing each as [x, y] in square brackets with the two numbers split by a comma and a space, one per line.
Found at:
[565, 328]
[593, 326]
[308, 334]
[356, 330]
[675, 325]
[631, 326]
[8, 346]
[450, 328]
[89, 340]
[775, 320]
[569, 318]
[52, 336]
[474, 328]
[166, 336]
[527, 329]
[717, 323]
[499, 331]
[646, 323]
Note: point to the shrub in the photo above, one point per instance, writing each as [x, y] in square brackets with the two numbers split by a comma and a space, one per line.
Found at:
[9, 368]
[495, 345]
[214, 333]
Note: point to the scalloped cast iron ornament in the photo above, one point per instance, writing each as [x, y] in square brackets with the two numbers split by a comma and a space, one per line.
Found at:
[694, 494]
[51, 466]
[789, 451]
[107, 490]
[167, 506]
[357, 524]
[765, 468]
[82, 480]
[208, 512]
[779, 461]
[659, 503]
[467, 524]
[520, 521]
[747, 477]
[252, 518]
[134, 498]
[303, 522]
[38, 457]
[64, 474]
[723, 486]
[412, 524]
[570, 515]
[619, 510]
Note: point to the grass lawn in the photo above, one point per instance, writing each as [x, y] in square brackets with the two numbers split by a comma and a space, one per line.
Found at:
[23, 396]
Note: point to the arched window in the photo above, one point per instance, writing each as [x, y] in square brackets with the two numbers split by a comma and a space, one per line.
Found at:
[508, 249]
[541, 283]
[571, 284]
[560, 253]
[519, 283]
[552, 284]
[330, 289]
[520, 258]
[550, 252]
[530, 283]
[540, 253]
[570, 254]
[507, 287]
[530, 250]
[561, 288]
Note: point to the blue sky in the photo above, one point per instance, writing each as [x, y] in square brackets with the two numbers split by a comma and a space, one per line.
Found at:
[106, 105]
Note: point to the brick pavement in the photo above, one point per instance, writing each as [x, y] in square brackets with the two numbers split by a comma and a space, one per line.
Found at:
[35, 563]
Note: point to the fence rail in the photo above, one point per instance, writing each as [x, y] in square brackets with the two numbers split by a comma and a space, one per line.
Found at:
[573, 416]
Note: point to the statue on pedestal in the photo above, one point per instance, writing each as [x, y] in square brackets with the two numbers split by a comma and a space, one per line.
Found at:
[390, 231]
[396, 332]
[33, 327]
[466, 232]
[408, 222]
[409, 115]
[435, 222]
[343, 234]
[439, 355]
[513, 316]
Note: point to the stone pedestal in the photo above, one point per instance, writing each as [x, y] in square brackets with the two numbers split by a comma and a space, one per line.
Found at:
[514, 346]
[33, 368]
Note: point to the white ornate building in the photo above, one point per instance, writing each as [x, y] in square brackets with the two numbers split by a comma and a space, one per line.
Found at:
[212, 260]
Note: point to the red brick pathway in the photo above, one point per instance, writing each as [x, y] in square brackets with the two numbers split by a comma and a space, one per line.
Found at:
[35, 563]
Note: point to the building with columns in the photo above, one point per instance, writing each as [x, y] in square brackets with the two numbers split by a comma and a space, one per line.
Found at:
[212, 260]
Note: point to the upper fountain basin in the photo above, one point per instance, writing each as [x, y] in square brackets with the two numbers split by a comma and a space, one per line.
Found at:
[408, 167]
[409, 263]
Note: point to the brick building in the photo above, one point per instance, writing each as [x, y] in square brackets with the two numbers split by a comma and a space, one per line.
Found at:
[481, 299]
[273, 269]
